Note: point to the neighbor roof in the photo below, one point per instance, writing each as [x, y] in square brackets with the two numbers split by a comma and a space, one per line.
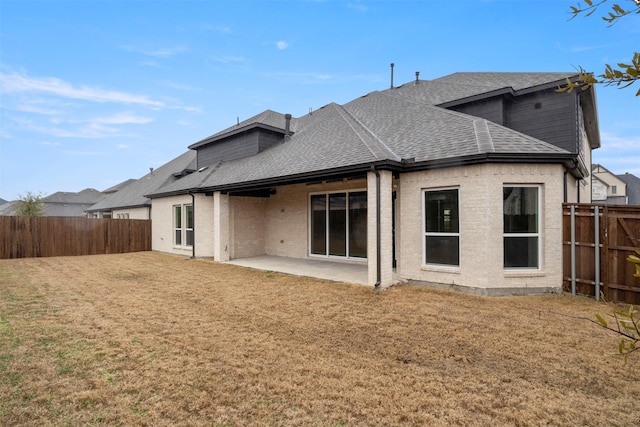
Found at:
[633, 188]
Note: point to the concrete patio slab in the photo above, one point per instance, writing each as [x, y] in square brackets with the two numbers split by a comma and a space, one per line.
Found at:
[320, 269]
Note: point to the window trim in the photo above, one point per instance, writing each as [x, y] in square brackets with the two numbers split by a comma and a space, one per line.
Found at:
[538, 234]
[182, 226]
[327, 234]
[424, 235]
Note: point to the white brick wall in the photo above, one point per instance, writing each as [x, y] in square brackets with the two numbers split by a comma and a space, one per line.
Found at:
[481, 226]
[134, 213]
[236, 227]
[162, 224]
[247, 226]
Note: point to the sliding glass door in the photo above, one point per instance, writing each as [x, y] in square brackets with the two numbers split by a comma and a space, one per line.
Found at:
[339, 224]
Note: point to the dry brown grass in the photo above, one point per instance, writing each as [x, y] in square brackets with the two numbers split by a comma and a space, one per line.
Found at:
[152, 339]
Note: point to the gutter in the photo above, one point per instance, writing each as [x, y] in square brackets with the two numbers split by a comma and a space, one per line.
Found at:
[193, 213]
[378, 227]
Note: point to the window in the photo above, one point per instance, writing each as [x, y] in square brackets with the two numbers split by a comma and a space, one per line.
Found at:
[521, 212]
[614, 189]
[177, 225]
[441, 227]
[189, 224]
[122, 216]
[183, 225]
[339, 224]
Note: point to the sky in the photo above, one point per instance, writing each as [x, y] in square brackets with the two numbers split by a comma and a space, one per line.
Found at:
[95, 92]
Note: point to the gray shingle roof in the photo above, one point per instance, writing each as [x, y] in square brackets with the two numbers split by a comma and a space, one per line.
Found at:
[391, 125]
[133, 195]
[267, 117]
[119, 186]
[633, 188]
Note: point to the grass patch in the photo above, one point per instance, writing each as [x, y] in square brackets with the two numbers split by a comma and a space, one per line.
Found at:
[146, 339]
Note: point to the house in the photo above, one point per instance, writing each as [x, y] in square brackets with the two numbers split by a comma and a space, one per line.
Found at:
[127, 200]
[632, 188]
[455, 182]
[607, 187]
[62, 203]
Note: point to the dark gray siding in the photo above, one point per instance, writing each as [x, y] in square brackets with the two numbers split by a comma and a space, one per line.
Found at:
[547, 115]
[490, 109]
[268, 139]
[242, 145]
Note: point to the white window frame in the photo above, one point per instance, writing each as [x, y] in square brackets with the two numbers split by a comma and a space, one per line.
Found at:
[309, 226]
[188, 229]
[183, 225]
[432, 233]
[537, 234]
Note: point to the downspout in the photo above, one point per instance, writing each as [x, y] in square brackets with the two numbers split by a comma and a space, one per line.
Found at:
[378, 227]
[193, 212]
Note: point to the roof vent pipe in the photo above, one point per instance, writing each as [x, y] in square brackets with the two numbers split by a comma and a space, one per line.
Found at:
[287, 125]
[392, 64]
[417, 77]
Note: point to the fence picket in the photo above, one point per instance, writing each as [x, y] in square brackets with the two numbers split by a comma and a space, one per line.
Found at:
[600, 250]
[25, 237]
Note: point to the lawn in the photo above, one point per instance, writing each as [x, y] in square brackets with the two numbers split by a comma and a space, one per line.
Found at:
[154, 339]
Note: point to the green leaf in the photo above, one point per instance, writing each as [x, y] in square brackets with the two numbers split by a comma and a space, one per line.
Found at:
[601, 320]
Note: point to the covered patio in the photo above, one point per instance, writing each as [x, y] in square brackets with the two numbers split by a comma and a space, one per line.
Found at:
[319, 269]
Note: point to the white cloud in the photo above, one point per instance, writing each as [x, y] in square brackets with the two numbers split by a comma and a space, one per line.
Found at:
[282, 45]
[31, 108]
[224, 29]
[122, 146]
[230, 59]
[121, 119]
[82, 153]
[357, 6]
[164, 52]
[11, 83]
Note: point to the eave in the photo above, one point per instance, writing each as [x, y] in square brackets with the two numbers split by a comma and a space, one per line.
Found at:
[405, 166]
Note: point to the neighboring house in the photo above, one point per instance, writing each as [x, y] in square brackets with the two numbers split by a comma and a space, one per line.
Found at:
[62, 203]
[6, 208]
[457, 181]
[606, 187]
[633, 188]
[130, 202]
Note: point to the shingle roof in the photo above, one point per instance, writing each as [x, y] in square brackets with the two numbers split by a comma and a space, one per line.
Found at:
[267, 117]
[382, 126]
[119, 186]
[86, 196]
[633, 188]
[133, 195]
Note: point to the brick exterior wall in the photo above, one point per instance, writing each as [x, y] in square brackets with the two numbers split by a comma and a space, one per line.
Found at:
[162, 225]
[134, 213]
[237, 227]
[247, 226]
[481, 228]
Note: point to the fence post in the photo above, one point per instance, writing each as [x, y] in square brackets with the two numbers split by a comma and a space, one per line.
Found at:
[573, 249]
[596, 222]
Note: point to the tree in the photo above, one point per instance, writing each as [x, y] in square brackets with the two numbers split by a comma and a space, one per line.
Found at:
[30, 205]
[625, 74]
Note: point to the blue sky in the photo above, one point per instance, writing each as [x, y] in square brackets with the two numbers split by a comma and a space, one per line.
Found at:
[95, 92]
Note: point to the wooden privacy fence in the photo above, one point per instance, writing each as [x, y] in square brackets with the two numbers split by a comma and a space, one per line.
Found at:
[597, 239]
[25, 237]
